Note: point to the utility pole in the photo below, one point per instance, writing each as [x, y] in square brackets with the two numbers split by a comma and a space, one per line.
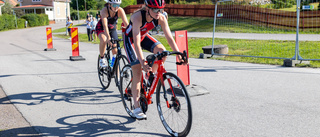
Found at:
[85, 5]
[66, 17]
[78, 13]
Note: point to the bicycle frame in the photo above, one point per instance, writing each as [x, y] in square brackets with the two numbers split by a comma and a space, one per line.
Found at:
[161, 70]
[118, 54]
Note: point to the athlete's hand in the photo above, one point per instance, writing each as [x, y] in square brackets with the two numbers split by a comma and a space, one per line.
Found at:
[181, 60]
[146, 68]
[109, 43]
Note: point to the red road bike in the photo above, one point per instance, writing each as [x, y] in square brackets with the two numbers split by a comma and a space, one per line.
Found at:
[173, 101]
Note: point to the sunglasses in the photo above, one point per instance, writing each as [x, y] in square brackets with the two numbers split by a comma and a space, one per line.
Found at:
[115, 5]
[155, 10]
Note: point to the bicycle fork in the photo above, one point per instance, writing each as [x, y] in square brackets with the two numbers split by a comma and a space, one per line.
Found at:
[173, 98]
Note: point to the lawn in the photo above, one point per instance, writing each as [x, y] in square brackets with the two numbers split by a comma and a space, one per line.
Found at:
[260, 48]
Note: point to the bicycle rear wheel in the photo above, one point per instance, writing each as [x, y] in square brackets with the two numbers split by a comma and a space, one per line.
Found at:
[122, 61]
[125, 89]
[104, 73]
[174, 105]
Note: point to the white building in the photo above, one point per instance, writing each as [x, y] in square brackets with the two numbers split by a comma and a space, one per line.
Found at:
[57, 10]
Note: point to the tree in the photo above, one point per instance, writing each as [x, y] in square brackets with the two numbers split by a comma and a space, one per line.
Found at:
[90, 4]
[278, 4]
[7, 8]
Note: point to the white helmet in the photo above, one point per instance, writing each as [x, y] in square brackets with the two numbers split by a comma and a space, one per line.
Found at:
[113, 1]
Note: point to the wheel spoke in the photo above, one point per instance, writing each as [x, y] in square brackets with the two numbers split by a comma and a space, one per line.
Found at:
[179, 116]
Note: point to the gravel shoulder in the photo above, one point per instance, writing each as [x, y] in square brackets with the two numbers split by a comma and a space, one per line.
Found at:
[12, 123]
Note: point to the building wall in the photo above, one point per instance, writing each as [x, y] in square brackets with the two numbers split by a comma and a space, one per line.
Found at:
[41, 2]
[60, 11]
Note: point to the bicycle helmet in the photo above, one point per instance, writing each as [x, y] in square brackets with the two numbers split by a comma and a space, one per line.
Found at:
[113, 1]
[159, 4]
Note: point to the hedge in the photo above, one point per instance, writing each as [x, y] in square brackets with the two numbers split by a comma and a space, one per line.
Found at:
[8, 21]
[82, 14]
[36, 19]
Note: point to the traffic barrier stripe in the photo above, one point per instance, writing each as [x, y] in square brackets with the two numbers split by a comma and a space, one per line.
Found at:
[75, 45]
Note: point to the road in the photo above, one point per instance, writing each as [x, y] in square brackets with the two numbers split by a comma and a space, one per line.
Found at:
[59, 97]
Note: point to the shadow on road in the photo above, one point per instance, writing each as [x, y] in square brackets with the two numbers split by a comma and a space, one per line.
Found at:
[77, 95]
[83, 125]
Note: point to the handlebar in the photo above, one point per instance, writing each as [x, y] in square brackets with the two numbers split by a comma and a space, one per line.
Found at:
[152, 57]
[115, 40]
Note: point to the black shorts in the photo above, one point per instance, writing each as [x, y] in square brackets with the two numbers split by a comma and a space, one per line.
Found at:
[147, 42]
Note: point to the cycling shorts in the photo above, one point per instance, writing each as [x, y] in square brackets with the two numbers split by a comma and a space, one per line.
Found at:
[112, 30]
[147, 42]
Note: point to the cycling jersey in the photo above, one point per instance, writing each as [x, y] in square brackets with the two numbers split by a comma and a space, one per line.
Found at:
[147, 41]
[146, 26]
[112, 22]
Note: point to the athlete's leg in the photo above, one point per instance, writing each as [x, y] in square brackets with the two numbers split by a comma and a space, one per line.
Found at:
[158, 48]
[153, 45]
[103, 42]
[135, 88]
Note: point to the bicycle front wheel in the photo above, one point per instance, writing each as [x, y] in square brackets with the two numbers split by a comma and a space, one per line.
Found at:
[174, 105]
[121, 62]
[104, 73]
[125, 89]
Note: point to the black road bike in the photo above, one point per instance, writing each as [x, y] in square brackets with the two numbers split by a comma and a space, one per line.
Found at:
[106, 73]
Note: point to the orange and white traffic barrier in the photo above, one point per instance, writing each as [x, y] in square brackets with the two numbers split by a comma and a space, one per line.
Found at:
[182, 43]
[75, 45]
[49, 40]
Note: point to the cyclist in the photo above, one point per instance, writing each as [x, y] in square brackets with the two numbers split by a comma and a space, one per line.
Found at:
[137, 37]
[106, 27]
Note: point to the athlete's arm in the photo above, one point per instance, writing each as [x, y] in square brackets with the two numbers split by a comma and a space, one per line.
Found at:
[104, 15]
[123, 16]
[167, 33]
[136, 20]
[166, 30]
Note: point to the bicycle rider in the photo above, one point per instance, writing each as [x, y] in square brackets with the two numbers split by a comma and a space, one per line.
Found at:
[107, 27]
[137, 37]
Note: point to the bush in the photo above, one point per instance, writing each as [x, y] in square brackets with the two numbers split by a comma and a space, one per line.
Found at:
[278, 4]
[32, 19]
[82, 14]
[36, 19]
[7, 22]
[20, 23]
[126, 3]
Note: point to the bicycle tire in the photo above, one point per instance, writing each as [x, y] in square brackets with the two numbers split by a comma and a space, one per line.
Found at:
[180, 105]
[125, 84]
[104, 73]
[122, 61]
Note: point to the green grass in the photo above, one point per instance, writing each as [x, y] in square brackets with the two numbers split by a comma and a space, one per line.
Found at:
[191, 24]
[265, 48]
[261, 48]
[294, 7]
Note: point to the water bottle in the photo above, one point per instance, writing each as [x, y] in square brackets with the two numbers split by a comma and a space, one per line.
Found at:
[111, 61]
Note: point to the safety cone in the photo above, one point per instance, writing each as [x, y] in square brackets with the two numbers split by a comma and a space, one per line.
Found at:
[49, 40]
[75, 45]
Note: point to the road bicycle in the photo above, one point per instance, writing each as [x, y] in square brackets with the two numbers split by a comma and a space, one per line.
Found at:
[106, 73]
[173, 101]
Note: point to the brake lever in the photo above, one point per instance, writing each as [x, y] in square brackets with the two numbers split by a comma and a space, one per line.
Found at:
[184, 58]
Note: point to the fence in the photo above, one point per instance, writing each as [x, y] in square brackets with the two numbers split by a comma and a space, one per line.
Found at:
[234, 18]
[235, 11]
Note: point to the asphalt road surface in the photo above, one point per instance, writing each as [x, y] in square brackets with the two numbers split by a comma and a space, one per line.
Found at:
[59, 97]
